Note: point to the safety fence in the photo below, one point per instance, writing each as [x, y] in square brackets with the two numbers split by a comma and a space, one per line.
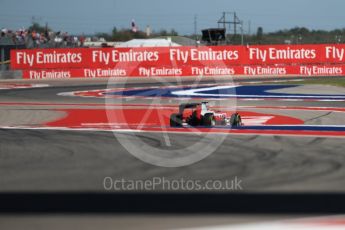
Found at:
[5, 55]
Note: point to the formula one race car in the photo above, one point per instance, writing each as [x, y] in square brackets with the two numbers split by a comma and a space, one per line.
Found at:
[198, 114]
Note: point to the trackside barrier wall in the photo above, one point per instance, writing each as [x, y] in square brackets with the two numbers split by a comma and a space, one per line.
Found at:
[277, 60]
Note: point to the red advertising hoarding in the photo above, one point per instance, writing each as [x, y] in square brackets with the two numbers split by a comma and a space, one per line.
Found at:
[304, 70]
[307, 60]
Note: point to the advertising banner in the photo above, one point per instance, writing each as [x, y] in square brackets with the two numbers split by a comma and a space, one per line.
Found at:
[304, 70]
[308, 60]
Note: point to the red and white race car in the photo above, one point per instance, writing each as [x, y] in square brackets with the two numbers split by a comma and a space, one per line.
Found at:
[198, 114]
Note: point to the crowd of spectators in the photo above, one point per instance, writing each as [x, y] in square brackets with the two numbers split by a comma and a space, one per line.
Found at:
[34, 39]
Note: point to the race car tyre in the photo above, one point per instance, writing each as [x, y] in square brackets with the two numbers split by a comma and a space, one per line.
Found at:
[235, 120]
[175, 120]
[208, 120]
[193, 121]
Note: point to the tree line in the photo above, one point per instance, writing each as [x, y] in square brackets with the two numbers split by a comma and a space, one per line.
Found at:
[297, 35]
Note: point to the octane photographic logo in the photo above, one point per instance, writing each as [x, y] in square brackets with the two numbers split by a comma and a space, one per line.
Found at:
[151, 139]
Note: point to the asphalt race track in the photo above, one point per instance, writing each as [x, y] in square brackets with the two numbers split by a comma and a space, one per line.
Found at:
[55, 137]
